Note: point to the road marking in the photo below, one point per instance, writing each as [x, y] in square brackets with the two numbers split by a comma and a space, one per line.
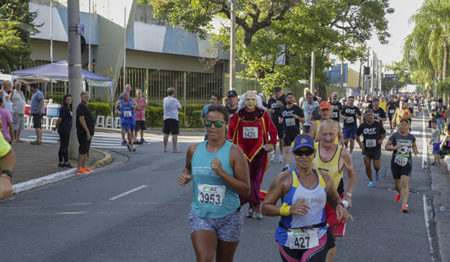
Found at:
[128, 192]
[425, 144]
[426, 211]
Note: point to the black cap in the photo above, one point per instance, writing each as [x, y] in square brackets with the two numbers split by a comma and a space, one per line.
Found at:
[277, 89]
[232, 93]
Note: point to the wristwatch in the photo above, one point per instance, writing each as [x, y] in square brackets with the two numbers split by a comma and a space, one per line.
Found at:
[8, 172]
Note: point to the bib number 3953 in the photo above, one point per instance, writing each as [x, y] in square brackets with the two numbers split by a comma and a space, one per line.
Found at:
[211, 194]
[303, 239]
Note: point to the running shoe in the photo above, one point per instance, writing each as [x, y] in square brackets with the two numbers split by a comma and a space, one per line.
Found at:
[129, 147]
[281, 159]
[133, 149]
[258, 214]
[405, 208]
[377, 176]
[433, 164]
[68, 165]
[124, 143]
[61, 165]
[88, 170]
[81, 172]
[398, 197]
[371, 184]
[272, 159]
[250, 212]
[143, 141]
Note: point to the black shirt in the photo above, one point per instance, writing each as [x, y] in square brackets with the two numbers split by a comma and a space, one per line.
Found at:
[391, 107]
[66, 115]
[371, 133]
[83, 110]
[378, 114]
[231, 112]
[336, 108]
[350, 113]
[291, 124]
[439, 110]
[274, 105]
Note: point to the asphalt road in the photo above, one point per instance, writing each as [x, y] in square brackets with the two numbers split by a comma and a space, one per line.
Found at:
[133, 210]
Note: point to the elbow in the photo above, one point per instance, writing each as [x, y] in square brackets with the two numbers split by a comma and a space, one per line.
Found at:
[264, 210]
[246, 191]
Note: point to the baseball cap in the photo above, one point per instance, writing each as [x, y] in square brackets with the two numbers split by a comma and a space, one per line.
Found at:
[303, 141]
[325, 105]
[277, 89]
[232, 93]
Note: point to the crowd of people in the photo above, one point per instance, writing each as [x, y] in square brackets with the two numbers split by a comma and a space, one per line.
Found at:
[321, 136]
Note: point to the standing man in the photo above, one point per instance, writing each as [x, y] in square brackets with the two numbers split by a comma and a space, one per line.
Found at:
[171, 125]
[139, 114]
[6, 95]
[308, 108]
[18, 111]
[374, 134]
[232, 105]
[85, 131]
[378, 113]
[440, 110]
[332, 159]
[290, 117]
[37, 110]
[127, 89]
[276, 102]
[7, 127]
[7, 166]
[125, 108]
[336, 107]
[392, 106]
[350, 113]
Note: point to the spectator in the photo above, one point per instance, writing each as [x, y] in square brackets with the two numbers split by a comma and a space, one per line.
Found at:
[440, 110]
[139, 113]
[6, 95]
[7, 165]
[7, 127]
[171, 125]
[36, 110]
[18, 110]
[64, 125]
[85, 131]
[308, 109]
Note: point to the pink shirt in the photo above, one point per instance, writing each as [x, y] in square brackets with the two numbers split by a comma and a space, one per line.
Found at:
[6, 119]
[139, 114]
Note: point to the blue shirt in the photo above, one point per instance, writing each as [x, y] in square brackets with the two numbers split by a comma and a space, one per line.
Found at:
[209, 200]
[35, 101]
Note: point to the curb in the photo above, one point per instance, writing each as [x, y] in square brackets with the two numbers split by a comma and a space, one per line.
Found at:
[105, 161]
[27, 185]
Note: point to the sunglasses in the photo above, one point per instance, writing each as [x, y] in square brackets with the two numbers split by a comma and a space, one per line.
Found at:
[300, 152]
[217, 123]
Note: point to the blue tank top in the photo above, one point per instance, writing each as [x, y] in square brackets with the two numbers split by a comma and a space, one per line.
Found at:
[213, 198]
[127, 112]
[316, 199]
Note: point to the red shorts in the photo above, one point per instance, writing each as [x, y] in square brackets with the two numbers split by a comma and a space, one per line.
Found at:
[336, 226]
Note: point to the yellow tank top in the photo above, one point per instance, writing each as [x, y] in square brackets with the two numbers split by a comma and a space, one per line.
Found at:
[402, 114]
[383, 105]
[5, 147]
[316, 135]
[331, 167]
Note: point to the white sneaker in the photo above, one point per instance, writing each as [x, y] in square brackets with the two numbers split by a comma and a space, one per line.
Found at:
[272, 159]
[281, 158]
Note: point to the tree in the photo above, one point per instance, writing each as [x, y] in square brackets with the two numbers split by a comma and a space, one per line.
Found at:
[275, 38]
[16, 25]
[402, 77]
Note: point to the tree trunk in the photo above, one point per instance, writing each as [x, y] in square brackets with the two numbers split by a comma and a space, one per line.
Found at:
[322, 91]
[445, 65]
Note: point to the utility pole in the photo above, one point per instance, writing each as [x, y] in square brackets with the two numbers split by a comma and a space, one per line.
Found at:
[51, 41]
[341, 80]
[124, 47]
[90, 39]
[233, 44]
[75, 83]
[312, 84]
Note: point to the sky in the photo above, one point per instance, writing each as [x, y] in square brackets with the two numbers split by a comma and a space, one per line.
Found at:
[399, 28]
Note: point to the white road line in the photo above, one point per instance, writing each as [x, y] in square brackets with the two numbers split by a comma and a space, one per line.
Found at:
[128, 192]
[425, 144]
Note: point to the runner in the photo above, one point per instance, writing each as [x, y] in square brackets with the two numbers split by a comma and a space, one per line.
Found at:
[8, 165]
[392, 106]
[127, 89]
[378, 113]
[303, 234]
[325, 114]
[139, 112]
[308, 108]
[290, 116]
[350, 114]
[402, 143]
[232, 105]
[125, 109]
[440, 111]
[402, 112]
[276, 102]
[332, 159]
[374, 134]
[336, 107]
[220, 174]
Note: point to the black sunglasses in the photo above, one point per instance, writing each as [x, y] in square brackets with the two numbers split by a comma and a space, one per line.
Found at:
[300, 152]
[217, 123]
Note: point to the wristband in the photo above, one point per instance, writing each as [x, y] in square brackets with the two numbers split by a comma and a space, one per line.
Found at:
[348, 194]
[284, 209]
[7, 172]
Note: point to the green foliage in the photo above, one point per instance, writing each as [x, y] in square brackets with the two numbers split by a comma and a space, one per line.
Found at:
[98, 108]
[16, 24]
[57, 98]
[403, 77]
[443, 88]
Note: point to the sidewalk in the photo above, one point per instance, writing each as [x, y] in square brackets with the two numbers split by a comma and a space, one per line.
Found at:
[37, 161]
[158, 131]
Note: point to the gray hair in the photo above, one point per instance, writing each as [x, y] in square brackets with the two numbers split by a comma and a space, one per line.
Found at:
[259, 104]
[325, 122]
[335, 93]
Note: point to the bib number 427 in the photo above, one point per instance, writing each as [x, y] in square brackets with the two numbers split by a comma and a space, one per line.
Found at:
[303, 239]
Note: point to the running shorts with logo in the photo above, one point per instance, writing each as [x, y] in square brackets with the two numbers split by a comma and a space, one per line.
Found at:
[399, 171]
[349, 132]
[372, 154]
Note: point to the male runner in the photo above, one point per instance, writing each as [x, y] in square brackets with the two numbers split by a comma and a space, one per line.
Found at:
[331, 159]
[350, 113]
[325, 114]
[402, 143]
[378, 113]
[290, 116]
[308, 108]
[127, 89]
[374, 134]
[392, 105]
[276, 102]
[232, 105]
[336, 107]
[125, 109]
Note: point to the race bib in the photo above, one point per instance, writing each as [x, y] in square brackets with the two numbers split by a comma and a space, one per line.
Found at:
[250, 132]
[350, 120]
[400, 160]
[127, 113]
[371, 142]
[391, 111]
[303, 239]
[290, 122]
[209, 194]
[335, 115]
